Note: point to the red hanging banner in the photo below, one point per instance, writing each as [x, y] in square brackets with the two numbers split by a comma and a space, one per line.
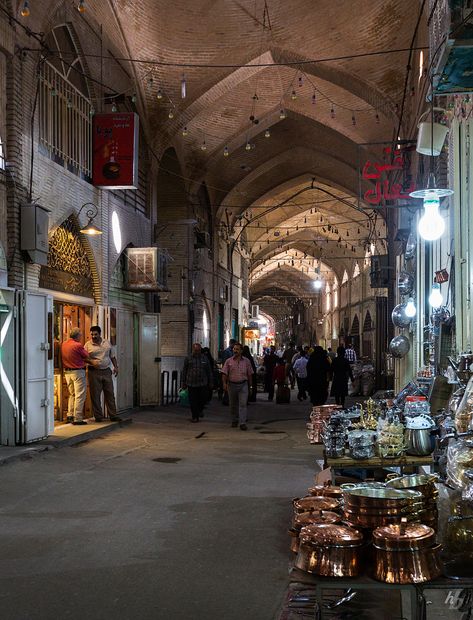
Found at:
[115, 151]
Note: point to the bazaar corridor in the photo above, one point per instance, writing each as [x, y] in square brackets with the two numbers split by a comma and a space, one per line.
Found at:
[165, 520]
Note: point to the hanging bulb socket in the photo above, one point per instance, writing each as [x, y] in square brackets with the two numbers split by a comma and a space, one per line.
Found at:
[226, 152]
[267, 133]
[377, 118]
[203, 146]
[247, 146]
[353, 120]
[184, 131]
[293, 95]
[314, 99]
[159, 94]
[25, 9]
[114, 107]
[332, 112]
[282, 114]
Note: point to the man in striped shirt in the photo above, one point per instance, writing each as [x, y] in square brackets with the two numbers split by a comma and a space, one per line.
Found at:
[236, 374]
[350, 354]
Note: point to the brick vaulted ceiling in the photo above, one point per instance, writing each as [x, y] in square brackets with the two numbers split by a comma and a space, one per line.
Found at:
[296, 190]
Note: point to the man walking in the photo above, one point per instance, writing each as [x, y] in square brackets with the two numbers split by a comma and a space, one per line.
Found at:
[74, 357]
[228, 352]
[269, 363]
[198, 379]
[300, 368]
[237, 374]
[287, 357]
[100, 374]
[350, 354]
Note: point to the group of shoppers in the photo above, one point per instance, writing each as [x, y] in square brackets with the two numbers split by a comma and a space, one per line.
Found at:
[97, 355]
[313, 369]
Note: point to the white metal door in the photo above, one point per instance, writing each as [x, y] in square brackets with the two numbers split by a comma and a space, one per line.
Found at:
[149, 359]
[36, 417]
[8, 368]
[124, 350]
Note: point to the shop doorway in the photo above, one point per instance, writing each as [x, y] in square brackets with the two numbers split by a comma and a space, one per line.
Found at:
[65, 317]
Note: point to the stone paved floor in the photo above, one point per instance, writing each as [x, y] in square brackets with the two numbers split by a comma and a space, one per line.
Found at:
[161, 519]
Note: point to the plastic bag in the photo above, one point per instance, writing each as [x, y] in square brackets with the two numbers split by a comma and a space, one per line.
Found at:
[183, 397]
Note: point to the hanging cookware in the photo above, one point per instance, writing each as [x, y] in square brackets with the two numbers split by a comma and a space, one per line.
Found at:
[405, 283]
[309, 518]
[399, 346]
[311, 503]
[399, 316]
[330, 550]
[406, 553]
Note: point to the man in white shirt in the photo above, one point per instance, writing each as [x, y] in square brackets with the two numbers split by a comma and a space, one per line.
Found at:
[100, 375]
[300, 368]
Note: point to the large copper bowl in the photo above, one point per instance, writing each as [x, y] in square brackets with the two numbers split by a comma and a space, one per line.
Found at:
[309, 518]
[384, 498]
[314, 504]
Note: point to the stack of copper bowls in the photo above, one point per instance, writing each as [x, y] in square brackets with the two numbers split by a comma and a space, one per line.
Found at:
[330, 550]
[369, 507]
[326, 490]
[425, 484]
[406, 553]
[303, 519]
[318, 418]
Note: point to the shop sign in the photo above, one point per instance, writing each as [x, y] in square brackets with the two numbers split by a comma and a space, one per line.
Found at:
[386, 180]
[251, 334]
[115, 151]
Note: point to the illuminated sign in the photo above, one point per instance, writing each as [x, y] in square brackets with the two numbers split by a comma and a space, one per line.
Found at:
[251, 334]
[115, 151]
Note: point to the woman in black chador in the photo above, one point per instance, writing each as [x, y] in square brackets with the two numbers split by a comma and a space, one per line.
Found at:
[318, 368]
[341, 372]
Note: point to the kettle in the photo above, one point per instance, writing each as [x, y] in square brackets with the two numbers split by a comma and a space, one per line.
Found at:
[418, 441]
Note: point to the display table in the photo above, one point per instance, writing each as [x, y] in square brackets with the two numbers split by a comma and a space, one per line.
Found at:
[416, 592]
[405, 461]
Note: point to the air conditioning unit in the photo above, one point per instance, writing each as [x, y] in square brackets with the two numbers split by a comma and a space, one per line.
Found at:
[146, 269]
[254, 312]
[202, 240]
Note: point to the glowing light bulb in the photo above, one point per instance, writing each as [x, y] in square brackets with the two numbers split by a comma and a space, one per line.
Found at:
[282, 114]
[133, 98]
[247, 146]
[226, 152]
[25, 11]
[293, 95]
[435, 298]
[184, 131]
[114, 107]
[159, 94]
[171, 114]
[431, 225]
[410, 310]
[183, 88]
[81, 6]
[203, 146]
[267, 133]
[317, 285]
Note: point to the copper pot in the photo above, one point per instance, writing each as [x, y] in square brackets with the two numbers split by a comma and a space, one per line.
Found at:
[309, 518]
[311, 503]
[374, 521]
[326, 490]
[380, 498]
[424, 483]
[330, 550]
[397, 511]
[406, 553]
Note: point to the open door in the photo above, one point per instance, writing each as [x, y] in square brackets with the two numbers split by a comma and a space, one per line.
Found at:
[149, 359]
[36, 413]
[8, 369]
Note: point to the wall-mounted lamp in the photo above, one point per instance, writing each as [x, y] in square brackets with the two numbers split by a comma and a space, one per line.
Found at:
[90, 228]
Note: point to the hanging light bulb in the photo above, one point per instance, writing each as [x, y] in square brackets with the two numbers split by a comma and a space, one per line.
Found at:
[159, 94]
[353, 120]
[171, 114]
[267, 133]
[377, 118]
[435, 298]
[203, 146]
[184, 131]
[282, 114]
[332, 112]
[293, 95]
[25, 10]
[133, 98]
[226, 152]
[431, 225]
[92, 111]
[410, 310]
[183, 87]
[247, 146]
[114, 107]
[81, 6]
[314, 99]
